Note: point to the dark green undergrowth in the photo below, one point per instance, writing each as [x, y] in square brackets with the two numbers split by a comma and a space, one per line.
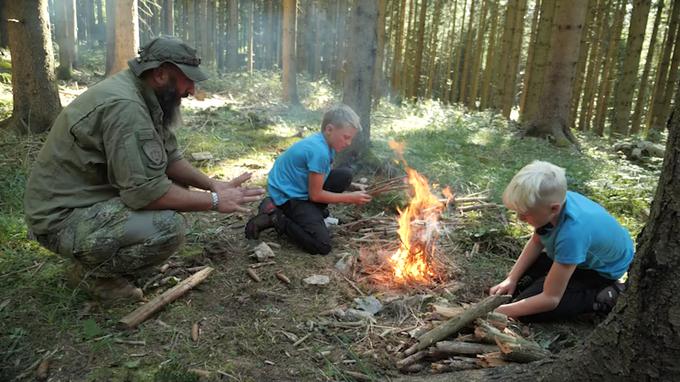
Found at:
[244, 127]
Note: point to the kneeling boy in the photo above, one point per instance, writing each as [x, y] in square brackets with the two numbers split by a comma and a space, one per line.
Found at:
[301, 184]
[574, 258]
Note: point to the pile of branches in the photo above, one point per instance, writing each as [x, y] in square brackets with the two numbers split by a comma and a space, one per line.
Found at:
[492, 342]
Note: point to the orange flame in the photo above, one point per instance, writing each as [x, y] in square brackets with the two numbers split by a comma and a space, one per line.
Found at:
[418, 229]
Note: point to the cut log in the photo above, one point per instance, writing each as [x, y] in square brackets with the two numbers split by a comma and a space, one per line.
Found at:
[147, 310]
[513, 348]
[446, 348]
[455, 364]
[413, 358]
[456, 323]
[414, 368]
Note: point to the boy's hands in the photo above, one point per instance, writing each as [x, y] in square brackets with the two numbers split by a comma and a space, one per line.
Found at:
[358, 197]
[507, 286]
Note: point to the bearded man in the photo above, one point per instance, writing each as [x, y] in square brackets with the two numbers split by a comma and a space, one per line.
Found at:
[109, 183]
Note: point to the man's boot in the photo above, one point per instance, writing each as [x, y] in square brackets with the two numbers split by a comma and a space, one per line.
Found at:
[103, 288]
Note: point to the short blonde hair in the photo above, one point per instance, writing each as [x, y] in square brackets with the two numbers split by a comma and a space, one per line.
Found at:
[538, 183]
[341, 115]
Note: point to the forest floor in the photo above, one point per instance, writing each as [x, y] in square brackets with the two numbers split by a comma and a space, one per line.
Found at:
[267, 330]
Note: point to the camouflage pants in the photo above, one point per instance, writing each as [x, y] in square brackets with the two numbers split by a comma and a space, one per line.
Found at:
[109, 239]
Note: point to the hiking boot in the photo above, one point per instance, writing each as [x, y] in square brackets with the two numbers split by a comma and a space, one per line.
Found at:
[114, 289]
[267, 206]
[257, 224]
[607, 297]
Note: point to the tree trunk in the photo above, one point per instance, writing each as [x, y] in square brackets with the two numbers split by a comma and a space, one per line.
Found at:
[535, 71]
[357, 86]
[552, 119]
[605, 78]
[431, 65]
[420, 43]
[455, 90]
[636, 119]
[232, 37]
[594, 61]
[467, 56]
[251, 33]
[510, 75]
[623, 96]
[289, 82]
[655, 120]
[398, 49]
[378, 73]
[490, 67]
[168, 17]
[476, 63]
[582, 60]
[448, 52]
[66, 32]
[34, 87]
[123, 37]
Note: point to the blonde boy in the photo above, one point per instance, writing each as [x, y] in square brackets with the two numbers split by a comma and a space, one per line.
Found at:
[575, 256]
[301, 184]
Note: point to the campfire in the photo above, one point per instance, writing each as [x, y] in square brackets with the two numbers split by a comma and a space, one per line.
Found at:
[418, 230]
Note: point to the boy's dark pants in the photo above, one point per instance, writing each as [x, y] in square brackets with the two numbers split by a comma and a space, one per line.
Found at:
[578, 298]
[303, 221]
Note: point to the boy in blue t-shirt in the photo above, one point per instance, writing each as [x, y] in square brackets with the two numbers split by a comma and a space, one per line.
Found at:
[574, 258]
[301, 184]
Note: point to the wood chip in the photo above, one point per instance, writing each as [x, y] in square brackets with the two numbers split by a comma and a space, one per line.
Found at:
[195, 331]
[282, 277]
[253, 275]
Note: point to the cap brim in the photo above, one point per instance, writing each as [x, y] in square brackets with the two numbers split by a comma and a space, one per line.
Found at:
[193, 72]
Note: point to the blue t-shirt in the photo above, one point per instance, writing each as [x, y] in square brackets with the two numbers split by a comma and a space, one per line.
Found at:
[588, 236]
[288, 178]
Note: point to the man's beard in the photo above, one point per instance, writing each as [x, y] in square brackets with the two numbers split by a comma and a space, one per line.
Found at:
[169, 100]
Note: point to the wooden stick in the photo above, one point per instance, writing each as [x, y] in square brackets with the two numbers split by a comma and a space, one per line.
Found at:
[253, 275]
[498, 320]
[413, 358]
[446, 348]
[455, 364]
[145, 311]
[257, 265]
[478, 207]
[456, 323]
[516, 349]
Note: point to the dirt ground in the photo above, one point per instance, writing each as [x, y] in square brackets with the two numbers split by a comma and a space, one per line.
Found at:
[268, 330]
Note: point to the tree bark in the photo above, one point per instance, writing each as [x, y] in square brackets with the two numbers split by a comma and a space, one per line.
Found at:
[553, 118]
[357, 83]
[123, 37]
[636, 119]
[34, 87]
[168, 17]
[289, 82]
[628, 76]
[232, 37]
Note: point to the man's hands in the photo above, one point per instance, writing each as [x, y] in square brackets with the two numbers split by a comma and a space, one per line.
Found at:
[217, 185]
[358, 197]
[231, 195]
[232, 198]
[507, 286]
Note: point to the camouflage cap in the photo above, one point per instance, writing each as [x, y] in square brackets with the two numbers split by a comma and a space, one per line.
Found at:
[168, 49]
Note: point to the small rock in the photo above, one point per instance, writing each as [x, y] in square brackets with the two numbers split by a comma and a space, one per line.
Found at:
[368, 304]
[317, 280]
[262, 252]
[354, 314]
[345, 264]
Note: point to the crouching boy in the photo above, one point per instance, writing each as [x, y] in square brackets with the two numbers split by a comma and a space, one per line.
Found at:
[301, 184]
[575, 256]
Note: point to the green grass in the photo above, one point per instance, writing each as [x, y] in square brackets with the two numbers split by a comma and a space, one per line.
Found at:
[471, 152]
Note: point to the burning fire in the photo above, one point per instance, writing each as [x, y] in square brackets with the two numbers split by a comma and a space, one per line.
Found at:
[418, 228]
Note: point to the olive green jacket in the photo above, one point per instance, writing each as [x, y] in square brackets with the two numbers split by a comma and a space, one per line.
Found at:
[109, 142]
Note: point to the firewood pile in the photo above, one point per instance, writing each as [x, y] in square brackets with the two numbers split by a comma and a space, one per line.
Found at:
[491, 342]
